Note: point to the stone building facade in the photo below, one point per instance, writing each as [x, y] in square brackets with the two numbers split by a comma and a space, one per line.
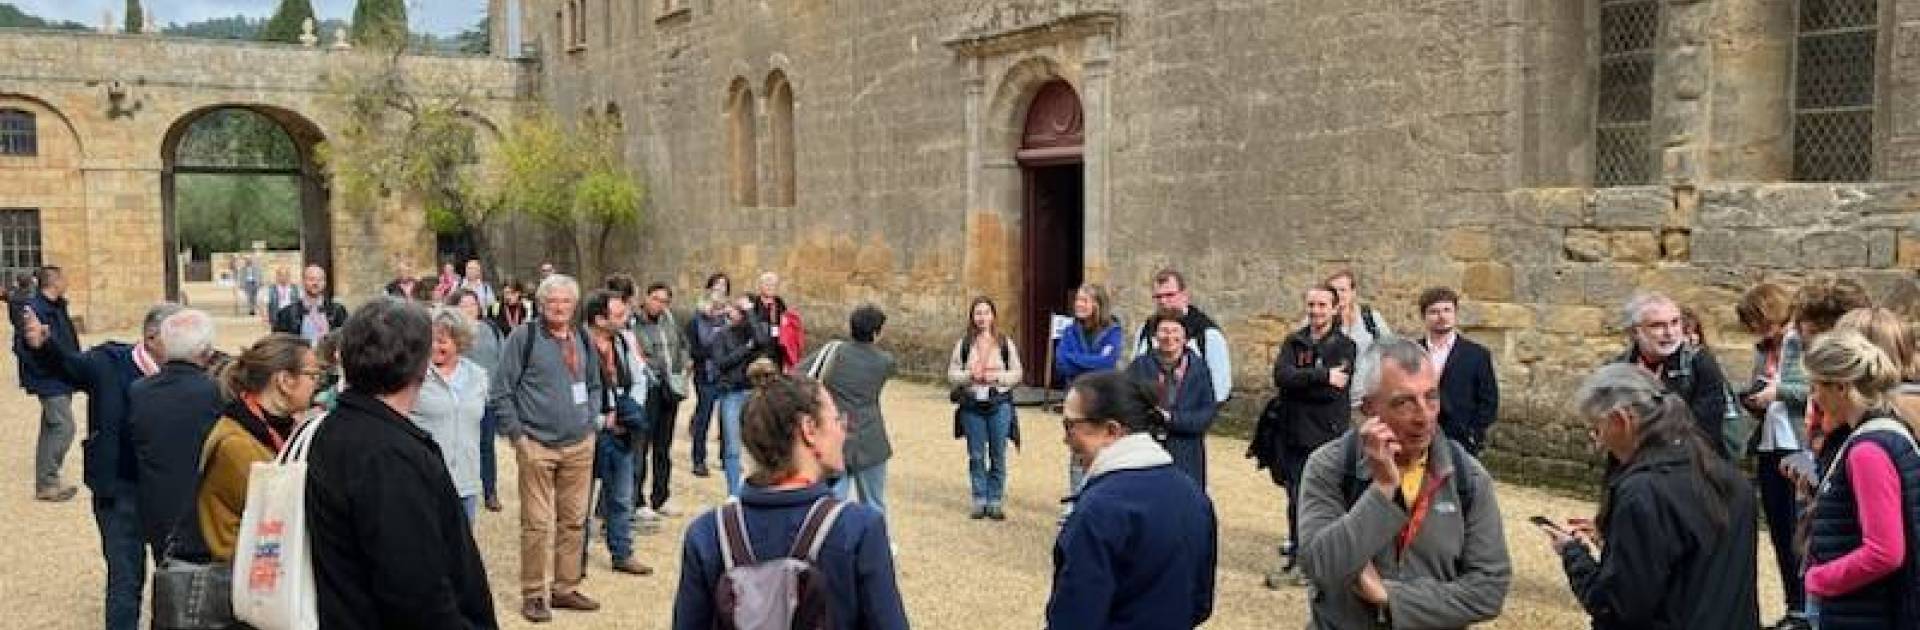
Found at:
[1547, 158]
[88, 127]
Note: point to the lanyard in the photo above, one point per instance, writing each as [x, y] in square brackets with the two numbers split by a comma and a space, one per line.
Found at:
[253, 406]
[1420, 510]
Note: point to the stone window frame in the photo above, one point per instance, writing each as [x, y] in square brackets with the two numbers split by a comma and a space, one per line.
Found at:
[573, 25]
[1645, 57]
[1871, 113]
[783, 152]
[741, 117]
[21, 248]
[19, 133]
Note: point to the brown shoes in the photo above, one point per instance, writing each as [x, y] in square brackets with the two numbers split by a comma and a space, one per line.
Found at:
[574, 601]
[535, 610]
[493, 504]
[633, 567]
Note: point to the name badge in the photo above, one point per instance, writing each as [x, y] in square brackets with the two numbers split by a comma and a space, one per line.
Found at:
[775, 331]
[579, 393]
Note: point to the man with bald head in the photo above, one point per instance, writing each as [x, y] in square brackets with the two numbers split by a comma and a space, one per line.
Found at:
[315, 313]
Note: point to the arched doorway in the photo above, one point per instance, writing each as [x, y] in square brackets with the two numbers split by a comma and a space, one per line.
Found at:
[1053, 233]
[212, 155]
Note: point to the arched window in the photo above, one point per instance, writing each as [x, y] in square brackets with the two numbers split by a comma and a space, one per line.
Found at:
[780, 125]
[743, 151]
[18, 135]
[1623, 111]
[1833, 95]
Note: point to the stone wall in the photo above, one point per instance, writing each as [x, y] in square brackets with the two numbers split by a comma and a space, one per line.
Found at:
[1257, 145]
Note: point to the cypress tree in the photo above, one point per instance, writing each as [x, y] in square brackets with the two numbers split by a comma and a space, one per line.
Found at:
[285, 24]
[136, 19]
[380, 24]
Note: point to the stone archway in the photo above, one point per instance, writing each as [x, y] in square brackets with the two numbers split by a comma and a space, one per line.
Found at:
[316, 222]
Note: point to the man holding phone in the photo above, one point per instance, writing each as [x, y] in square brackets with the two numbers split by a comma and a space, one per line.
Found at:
[1399, 526]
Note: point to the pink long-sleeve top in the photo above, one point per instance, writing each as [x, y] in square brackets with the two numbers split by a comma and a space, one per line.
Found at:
[1876, 492]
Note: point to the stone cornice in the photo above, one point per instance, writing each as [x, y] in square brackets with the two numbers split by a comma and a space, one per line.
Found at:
[1003, 27]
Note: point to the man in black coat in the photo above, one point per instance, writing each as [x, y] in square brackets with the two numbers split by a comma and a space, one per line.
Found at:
[1660, 346]
[314, 313]
[391, 544]
[1311, 376]
[1469, 392]
[172, 412]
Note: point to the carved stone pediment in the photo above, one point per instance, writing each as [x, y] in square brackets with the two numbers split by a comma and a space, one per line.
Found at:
[1009, 25]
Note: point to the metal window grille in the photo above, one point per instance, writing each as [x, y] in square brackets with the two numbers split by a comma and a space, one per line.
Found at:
[1833, 96]
[18, 136]
[19, 242]
[1623, 116]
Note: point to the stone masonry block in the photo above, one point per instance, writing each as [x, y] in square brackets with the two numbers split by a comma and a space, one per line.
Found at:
[1556, 207]
[1577, 320]
[1675, 246]
[1636, 246]
[1908, 255]
[1487, 281]
[1500, 315]
[1468, 244]
[1631, 207]
[1834, 250]
[1881, 248]
[1585, 245]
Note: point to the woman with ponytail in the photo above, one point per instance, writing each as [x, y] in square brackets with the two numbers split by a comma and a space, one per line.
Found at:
[1861, 539]
[267, 389]
[796, 439]
[1677, 520]
[1140, 547]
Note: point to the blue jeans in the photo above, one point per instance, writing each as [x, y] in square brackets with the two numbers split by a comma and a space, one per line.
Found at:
[732, 403]
[987, 452]
[871, 483]
[126, 553]
[489, 469]
[613, 466]
[471, 504]
[705, 393]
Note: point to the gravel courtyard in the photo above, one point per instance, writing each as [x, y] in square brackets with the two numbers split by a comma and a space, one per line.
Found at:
[955, 572]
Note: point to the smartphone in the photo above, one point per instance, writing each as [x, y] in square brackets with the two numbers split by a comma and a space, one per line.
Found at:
[1547, 524]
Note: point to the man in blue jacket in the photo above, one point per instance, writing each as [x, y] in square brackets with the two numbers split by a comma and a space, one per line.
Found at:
[48, 308]
[106, 373]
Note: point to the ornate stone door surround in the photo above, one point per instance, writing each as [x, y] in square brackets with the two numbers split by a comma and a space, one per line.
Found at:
[1016, 47]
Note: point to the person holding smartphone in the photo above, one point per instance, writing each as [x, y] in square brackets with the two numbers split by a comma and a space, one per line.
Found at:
[1677, 521]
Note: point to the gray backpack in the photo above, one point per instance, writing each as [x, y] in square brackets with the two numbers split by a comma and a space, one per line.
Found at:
[785, 593]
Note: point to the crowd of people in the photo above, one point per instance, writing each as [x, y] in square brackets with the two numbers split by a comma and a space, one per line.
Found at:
[1374, 436]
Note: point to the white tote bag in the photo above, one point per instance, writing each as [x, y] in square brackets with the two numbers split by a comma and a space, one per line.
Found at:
[273, 586]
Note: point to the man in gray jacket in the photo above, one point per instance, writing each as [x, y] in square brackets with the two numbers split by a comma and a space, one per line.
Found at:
[854, 372]
[663, 344]
[1399, 526]
[547, 398]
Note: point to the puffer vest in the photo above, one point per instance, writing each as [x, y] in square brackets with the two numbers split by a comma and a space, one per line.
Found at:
[1892, 601]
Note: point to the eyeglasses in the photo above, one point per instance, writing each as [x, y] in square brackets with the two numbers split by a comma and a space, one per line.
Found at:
[1067, 422]
[1672, 324]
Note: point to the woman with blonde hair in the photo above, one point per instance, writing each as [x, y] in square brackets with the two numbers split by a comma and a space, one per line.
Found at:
[1861, 570]
[267, 389]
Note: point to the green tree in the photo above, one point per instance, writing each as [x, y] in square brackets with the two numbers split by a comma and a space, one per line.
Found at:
[12, 17]
[285, 24]
[477, 40]
[224, 213]
[236, 27]
[136, 19]
[380, 24]
[569, 179]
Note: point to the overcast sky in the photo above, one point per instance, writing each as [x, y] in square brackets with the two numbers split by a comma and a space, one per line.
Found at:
[441, 17]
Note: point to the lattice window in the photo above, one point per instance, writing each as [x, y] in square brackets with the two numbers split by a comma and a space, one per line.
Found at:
[19, 242]
[1623, 113]
[18, 135]
[1833, 95]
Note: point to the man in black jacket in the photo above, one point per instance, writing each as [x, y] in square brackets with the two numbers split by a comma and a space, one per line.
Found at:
[1660, 346]
[1311, 376]
[391, 543]
[171, 414]
[315, 313]
[1469, 392]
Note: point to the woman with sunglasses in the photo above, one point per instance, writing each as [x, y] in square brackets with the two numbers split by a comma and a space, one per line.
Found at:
[1140, 547]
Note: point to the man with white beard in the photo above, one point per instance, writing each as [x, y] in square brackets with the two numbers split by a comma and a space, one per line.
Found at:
[1658, 343]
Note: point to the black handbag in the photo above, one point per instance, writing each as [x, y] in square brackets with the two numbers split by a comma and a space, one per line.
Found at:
[190, 595]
